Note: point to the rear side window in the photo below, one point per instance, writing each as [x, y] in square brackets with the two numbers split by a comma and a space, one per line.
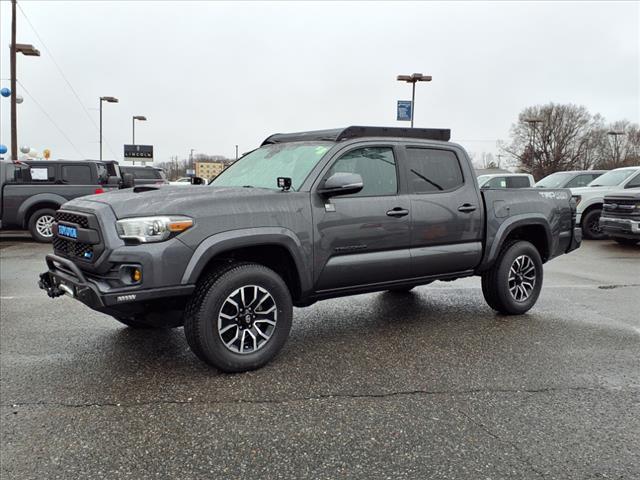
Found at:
[376, 166]
[431, 170]
[518, 182]
[496, 182]
[76, 174]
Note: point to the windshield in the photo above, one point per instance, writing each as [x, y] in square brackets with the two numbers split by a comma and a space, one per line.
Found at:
[612, 178]
[263, 166]
[555, 180]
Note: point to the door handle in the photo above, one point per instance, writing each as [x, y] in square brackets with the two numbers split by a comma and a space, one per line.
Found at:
[467, 207]
[398, 212]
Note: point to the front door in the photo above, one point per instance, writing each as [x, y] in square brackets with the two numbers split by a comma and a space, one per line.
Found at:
[363, 238]
[446, 211]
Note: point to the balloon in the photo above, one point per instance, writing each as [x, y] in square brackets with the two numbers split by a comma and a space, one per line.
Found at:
[3, 149]
[19, 99]
[33, 153]
[5, 92]
[25, 149]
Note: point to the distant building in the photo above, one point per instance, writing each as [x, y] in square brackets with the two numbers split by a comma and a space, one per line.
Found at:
[209, 170]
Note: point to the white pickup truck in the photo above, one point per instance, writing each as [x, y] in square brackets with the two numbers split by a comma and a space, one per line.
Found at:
[589, 199]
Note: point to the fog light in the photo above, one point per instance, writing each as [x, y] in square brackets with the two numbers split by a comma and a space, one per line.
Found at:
[136, 275]
[130, 274]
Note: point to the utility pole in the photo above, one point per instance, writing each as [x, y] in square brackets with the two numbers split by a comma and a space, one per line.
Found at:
[191, 162]
[236, 153]
[499, 156]
[25, 49]
[14, 117]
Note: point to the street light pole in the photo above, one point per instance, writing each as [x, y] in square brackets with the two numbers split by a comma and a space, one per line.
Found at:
[109, 100]
[27, 50]
[236, 153]
[142, 118]
[413, 78]
[616, 148]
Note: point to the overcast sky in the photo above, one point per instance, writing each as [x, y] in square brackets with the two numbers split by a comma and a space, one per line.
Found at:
[212, 75]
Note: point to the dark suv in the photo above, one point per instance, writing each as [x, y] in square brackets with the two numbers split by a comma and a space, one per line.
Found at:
[32, 190]
[307, 216]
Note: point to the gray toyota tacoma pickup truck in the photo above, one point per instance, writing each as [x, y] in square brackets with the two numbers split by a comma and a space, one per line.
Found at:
[305, 217]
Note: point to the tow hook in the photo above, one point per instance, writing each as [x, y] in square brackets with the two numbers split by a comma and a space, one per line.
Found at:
[45, 284]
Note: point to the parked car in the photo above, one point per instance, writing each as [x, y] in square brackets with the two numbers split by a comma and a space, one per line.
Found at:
[589, 199]
[620, 217]
[305, 217]
[506, 180]
[145, 175]
[32, 190]
[572, 179]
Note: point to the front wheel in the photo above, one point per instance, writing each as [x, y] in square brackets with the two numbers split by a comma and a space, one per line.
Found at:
[513, 283]
[239, 317]
[591, 228]
[41, 225]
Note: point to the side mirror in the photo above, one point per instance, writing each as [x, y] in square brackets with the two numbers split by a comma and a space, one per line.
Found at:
[342, 183]
[127, 180]
[197, 181]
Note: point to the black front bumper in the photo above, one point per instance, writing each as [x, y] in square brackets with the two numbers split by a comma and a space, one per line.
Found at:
[64, 277]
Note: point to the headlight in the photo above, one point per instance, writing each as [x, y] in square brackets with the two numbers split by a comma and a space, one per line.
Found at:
[577, 198]
[152, 229]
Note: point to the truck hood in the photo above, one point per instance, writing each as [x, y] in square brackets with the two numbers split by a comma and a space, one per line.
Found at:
[172, 200]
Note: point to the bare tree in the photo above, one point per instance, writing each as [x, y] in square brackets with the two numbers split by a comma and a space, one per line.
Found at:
[552, 137]
[617, 145]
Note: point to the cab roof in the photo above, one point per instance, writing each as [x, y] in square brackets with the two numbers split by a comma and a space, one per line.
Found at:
[339, 134]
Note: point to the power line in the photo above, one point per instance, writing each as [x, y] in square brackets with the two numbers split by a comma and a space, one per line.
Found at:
[73, 90]
[49, 117]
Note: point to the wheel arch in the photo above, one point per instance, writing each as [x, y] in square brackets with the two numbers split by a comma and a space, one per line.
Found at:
[37, 202]
[275, 248]
[532, 228]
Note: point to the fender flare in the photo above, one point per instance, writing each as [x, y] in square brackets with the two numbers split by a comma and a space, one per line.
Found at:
[509, 225]
[34, 200]
[248, 237]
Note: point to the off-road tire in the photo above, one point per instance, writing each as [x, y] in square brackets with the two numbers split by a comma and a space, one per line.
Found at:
[495, 281]
[204, 307]
[592, 217]
[33, 224]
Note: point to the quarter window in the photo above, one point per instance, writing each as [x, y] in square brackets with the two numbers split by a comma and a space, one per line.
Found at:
[431, 170]
[76, 174]
[376, 166]
[634, 182]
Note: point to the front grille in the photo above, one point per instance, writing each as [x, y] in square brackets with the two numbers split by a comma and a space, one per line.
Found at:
[621, 207]
[70, 248]
[72, 218]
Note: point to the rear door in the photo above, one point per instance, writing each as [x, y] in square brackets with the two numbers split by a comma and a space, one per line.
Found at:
[446, 211]
[363, 238]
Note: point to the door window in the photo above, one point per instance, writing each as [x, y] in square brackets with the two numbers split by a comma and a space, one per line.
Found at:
[431, 170]
[76, 174]
[376, 166]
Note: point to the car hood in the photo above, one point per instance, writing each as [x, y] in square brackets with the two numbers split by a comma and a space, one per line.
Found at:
[173, 200]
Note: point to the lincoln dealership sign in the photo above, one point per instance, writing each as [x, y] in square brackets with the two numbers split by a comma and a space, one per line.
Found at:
[138, 152]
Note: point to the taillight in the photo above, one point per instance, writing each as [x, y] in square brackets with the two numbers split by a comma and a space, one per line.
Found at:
[99, 190]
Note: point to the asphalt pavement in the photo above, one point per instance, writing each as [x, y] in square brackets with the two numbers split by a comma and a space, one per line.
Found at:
[431, 384]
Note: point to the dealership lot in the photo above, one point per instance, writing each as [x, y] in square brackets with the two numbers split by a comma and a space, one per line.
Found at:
[431, 384]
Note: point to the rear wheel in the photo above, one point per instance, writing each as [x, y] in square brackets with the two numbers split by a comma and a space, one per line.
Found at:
[239, 317]
[41, 225]
[591, 228]
[513, 284]
[626, 241]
